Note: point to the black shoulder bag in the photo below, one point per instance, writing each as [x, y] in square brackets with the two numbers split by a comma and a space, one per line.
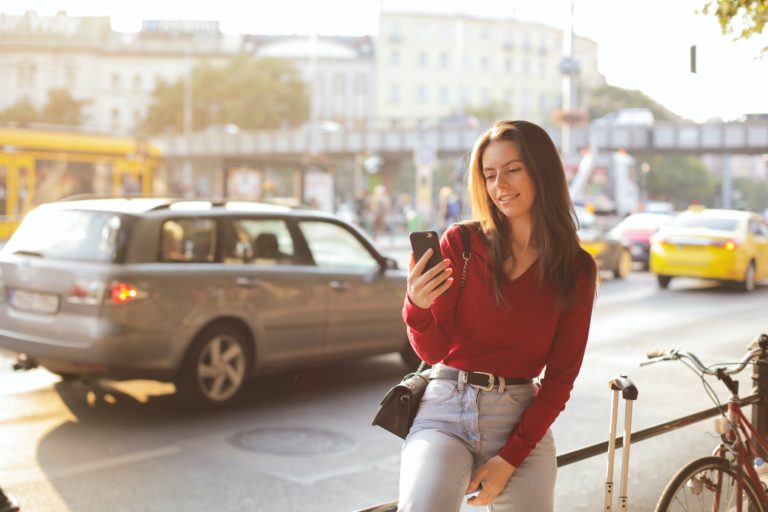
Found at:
[399, 406]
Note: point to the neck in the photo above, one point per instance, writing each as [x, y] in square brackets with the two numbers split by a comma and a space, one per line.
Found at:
[521, 231]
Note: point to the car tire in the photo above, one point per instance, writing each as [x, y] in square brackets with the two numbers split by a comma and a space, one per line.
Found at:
[410, 359]
[663, 281]
[749, 284]
[623, 265]
[215, 368]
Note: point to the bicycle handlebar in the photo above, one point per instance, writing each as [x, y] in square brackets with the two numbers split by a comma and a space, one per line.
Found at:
[756, 347]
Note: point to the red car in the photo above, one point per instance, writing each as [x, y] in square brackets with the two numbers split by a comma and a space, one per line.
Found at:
[637, 229]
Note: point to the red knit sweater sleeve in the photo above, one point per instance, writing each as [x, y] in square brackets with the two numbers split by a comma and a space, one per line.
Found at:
[432, 339]
[562, 367]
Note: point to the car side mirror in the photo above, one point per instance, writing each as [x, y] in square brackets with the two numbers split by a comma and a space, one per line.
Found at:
[390, 264]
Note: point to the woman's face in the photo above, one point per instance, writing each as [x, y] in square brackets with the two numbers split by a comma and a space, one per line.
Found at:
[507, 179]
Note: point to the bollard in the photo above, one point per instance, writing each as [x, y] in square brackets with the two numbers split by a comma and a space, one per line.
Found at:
[760, 387]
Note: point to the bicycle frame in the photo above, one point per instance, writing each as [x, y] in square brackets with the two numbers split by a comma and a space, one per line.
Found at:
[738, 437]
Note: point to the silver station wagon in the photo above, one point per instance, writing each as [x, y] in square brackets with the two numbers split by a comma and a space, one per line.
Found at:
[200, 293]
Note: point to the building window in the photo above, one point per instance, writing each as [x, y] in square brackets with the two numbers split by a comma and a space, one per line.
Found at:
[526, 67]
[394, 57]
[115, 81]
[508, 65]
[423, 59]
[361, 85]
[70, 74]
[421, 93]
[445, 60]
[485, 63]
[542, 102]
[339, 85]
[542, 69]
[137, 82]
[394, 94]
[115, 115]
[445, 94]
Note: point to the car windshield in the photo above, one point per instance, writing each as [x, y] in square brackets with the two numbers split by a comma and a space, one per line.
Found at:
[67, 234]
[714, 223]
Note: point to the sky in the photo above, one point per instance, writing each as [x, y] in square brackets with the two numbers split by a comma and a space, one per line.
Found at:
[642, 44]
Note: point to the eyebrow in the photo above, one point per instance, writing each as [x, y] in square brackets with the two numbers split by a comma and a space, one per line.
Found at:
[488, 169]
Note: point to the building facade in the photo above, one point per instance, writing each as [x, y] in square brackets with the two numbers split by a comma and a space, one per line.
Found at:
[431, 66]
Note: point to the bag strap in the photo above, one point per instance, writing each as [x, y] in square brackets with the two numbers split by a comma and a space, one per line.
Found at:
[466, 254]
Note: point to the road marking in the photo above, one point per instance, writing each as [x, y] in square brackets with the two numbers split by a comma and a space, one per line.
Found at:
[38, 474]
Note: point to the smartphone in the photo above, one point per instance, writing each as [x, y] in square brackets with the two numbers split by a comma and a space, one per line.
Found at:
[423, 240]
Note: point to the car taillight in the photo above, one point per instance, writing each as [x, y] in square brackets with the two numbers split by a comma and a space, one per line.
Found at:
[728, 245]
[123, 293]
[86, 291]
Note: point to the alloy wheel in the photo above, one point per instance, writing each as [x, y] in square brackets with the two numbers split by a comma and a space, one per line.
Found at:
[221, 368]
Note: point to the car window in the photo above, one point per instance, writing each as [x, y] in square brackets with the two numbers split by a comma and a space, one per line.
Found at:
[700, 221]
[188, 240]
[78, 235]
[334, 246]
[257, 241]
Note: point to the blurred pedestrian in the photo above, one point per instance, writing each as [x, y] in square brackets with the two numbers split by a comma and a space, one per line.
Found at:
[448, 208]
[381, 205]
[525, 305]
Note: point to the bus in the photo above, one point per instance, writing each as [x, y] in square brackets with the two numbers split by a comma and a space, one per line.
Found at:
[41, 166]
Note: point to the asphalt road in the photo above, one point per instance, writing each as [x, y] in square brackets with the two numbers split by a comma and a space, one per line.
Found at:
[303, 441]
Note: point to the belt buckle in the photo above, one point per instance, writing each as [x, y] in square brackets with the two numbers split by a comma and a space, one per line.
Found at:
[489, 387]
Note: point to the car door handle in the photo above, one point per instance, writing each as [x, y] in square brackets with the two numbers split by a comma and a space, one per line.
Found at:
[248, 282]
[339, 286]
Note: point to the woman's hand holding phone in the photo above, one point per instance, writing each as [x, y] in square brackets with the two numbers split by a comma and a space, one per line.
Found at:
[425, 286]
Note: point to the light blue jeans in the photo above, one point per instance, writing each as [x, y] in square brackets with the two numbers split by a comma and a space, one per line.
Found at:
[458, 428]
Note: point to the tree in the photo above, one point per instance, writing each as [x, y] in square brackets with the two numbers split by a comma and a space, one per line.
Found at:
[753, 193]
[21, 113]
[680, 180]
[745, 18]
[250, 93]
[62, 108]
[607, 98]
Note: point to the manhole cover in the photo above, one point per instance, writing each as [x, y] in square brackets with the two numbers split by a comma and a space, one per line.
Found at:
[292, 441]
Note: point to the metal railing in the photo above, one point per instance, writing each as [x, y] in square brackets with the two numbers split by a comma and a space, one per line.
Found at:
[758, 399]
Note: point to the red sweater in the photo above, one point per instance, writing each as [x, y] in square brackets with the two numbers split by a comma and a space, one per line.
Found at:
[467, 330]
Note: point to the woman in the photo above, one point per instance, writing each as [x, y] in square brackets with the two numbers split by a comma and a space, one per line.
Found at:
[525, 306]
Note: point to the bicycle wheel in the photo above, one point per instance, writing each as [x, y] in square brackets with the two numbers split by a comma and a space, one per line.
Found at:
[708, 483]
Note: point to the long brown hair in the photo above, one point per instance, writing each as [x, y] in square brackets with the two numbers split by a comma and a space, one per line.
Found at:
[553, 219]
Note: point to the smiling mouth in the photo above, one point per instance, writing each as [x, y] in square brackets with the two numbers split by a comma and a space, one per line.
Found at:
[507, 198]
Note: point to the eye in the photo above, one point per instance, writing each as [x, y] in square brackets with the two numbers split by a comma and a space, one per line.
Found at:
[490, 177]
[514, 169]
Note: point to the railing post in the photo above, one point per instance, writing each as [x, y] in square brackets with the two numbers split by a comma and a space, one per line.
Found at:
[760, 387]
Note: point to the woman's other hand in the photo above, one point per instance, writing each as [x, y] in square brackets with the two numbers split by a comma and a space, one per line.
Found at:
[424, 288]
[494, 475]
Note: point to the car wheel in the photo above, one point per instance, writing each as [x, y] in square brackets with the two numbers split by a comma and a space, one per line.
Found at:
[409, 356]
[663, 281]
[215, 368]
[749, 283]
[623, 265]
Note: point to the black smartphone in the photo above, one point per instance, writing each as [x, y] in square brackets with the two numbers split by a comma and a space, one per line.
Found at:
[423, 240]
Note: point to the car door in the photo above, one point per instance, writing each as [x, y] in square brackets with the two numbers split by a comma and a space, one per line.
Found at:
[759, 232]
[365, 301]
[282, 294]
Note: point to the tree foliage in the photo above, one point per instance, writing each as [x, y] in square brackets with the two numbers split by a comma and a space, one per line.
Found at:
[680, 180]
[60, 108]
[247, 92]
[743, 18]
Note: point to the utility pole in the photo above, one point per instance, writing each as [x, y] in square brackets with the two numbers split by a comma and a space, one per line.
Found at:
[569, 68]
[187, 119]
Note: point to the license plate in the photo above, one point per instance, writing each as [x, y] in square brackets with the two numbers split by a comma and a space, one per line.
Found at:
[35, 302]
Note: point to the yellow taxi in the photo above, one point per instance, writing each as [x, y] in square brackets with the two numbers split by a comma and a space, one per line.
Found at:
[725, 245]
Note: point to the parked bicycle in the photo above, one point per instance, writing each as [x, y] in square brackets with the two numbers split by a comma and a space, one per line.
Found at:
[727, 480]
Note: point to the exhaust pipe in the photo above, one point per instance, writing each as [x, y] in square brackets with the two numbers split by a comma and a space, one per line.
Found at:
[24, 363]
